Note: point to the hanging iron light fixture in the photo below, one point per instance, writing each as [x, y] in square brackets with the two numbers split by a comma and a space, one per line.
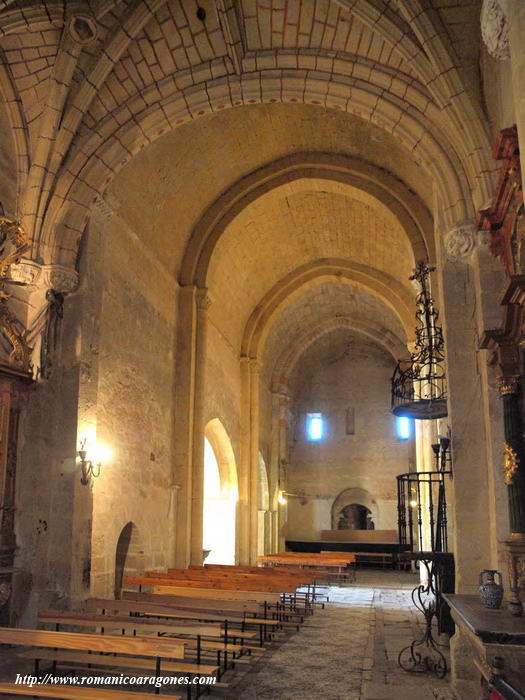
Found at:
[419, 386]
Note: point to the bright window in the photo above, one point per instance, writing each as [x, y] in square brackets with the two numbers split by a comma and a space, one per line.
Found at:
[403, 427]
[314, 426]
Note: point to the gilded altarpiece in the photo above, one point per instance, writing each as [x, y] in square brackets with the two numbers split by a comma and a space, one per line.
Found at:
[505, 223]
[11, 399]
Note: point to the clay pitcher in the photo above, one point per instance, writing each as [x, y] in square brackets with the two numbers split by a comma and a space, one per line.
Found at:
[490, 590]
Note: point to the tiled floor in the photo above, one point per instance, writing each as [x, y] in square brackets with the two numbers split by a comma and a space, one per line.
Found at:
[349, 650]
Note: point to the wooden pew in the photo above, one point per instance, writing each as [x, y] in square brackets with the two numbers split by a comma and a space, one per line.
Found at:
[297, 601]
[289, 608]
[197, 589]
[339, 566]
[136, 653]
[201, 611]
[197, 635]
[238, 585]
[68, 692]
[235, 622]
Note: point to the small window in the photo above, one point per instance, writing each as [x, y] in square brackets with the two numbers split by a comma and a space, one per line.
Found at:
[314, 426]
[403, 427]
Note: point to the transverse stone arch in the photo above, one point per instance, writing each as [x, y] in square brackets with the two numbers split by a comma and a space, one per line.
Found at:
[389, 191]
[350, 496]
[392, 292]
[129, 556]
[95, 162]
[291, 355]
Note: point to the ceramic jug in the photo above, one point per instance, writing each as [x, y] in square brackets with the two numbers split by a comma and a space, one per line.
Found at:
[490, 591]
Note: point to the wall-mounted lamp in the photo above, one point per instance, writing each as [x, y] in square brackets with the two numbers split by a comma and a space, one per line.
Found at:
[442, 454]
[91, 467]
[283, 496]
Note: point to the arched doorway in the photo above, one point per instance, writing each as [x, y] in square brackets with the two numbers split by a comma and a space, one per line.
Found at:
[355, 509]
[129, 556]
[220, 496]
[355, 517]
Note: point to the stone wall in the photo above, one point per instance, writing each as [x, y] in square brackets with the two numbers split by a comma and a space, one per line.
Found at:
[135, 401]
[112, 383]
[343, 371]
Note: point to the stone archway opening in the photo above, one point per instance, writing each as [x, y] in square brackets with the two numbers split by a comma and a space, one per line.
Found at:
[355, 509]
[220, 496]
[355, 516]
[129, 556]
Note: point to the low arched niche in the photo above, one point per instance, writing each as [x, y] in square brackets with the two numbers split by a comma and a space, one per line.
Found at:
[129, 556]
[354, 496]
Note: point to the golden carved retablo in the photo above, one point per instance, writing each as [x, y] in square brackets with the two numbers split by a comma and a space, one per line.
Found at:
[510, 463]
[11, 233]
[13, 244]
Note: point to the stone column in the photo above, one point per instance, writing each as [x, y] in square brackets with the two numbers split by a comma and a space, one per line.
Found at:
[255, 369]
[469, 505]
[249, 462]
[197, 461]
[184, 391]
[515, 11]
[466, 407]
[279, 455]
[189, 389]
[243, 517]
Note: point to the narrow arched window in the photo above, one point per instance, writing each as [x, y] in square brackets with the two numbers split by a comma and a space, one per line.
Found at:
[314, 426]
[404, 427]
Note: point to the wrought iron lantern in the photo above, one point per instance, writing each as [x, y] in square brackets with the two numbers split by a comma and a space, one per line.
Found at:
[419, 386]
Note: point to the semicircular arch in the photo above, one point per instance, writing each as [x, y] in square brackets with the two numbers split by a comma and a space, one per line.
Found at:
[354, 495]
[220, 441]
[75, 195]
[388, 191]
[392, 292]
[291, 355]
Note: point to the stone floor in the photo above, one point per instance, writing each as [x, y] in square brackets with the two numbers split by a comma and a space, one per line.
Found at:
[349, 650]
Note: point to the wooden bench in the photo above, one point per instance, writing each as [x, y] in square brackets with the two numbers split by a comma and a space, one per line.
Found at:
[383, 558]
[341, 567]
[244, 618]
[235, 622]
[287, 585]
[198, 590]
[136, 653]
[72, 692]
[197, 634]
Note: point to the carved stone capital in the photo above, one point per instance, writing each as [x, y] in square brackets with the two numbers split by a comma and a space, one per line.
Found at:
[203, 299]
[494, 29]
[58, 277]
[25, 272]
[460, 242]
